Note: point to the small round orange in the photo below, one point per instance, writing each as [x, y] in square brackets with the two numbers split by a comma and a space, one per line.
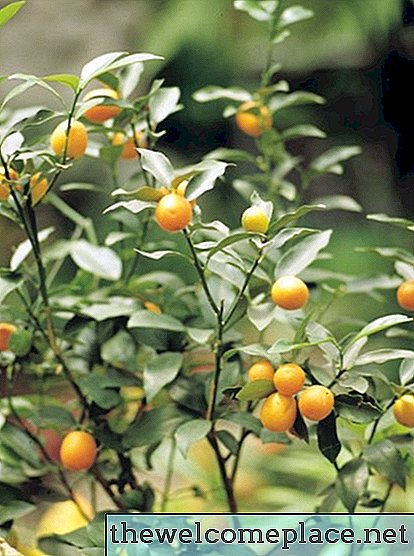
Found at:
[78, 451]
[4, 186]
[289, 379]
[6, 330]
[316, 402]
[405, 295]
[278, 412]
[403, 410]
[173, 212]
[77, 141]
[254, 219]
[253, 118]
[262, 370]
[101, 112]
[290, 292]
[129, 151]
[38, 187]
[152, 307]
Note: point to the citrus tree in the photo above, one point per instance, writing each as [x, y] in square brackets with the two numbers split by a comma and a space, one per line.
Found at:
[99, 367]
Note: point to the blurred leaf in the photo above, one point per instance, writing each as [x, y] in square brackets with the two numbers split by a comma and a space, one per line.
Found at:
[380, 356]
[147, 319]
[212, 92]
[228, 441]
[385, 458]
[20, 342]
[339, 202]
[357, 408]
[257, 9]
[378, 325]
[291, 217]
[9, 11]
[304, 130]
[293, 14]
[67, 79]
[246, 420]
[351, 483]
[227, 242]
[54, 417]
[150, 194]
[300, 429]
[400, 222]
[132, 206]
[99, 261]
[326, 161]
[120, 351]
[98, 65]
[116, 237]
[204, 180]
[25, 248]
[80, 186]
[189, 433]
[15, 508]
[158, 165]
[406, 371]
[261, 315]
[160, 371]
[163, 103]
[158, 255]
[200, 336]
[298, 98]
[302, 254]
[231, 155]
[396, 253]
[256, 390]
[112, 307]
[328, 441]
[15, 438]
[7, 286]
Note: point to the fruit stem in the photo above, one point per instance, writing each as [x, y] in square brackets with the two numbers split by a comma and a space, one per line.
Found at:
[227, 481]
[218, 352]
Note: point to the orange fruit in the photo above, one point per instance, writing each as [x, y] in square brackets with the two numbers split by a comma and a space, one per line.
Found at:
[76, 143]
[152, 307]
[316, 402]
[289, 379]
[101, 112]
[6, 330]
[173, 212]
[254, 219]
[38, 187]
[290, 292]
[262, 370]
[253, 118]
[405, 295]
[278, 412]
[78, 451]
[129, 151]
[403, 410]
[4, 186]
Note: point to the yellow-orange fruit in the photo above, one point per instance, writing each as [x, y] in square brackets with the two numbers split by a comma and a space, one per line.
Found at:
[316, 402]
[289, 379]
[6, 330]
[253, 118]
[78, 451]
[129, 151]
[38, 187]
[77, 140]
[4, 186]
[290, 292]
[254, 219]
[405, 295]
[403, 410]
[262, 370]
[101, 112]
[278, 412]
[173, 212]
[152, 307]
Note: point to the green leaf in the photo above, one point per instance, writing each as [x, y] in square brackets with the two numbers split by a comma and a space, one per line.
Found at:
[385, 458]
[304, 130]
[291, 217]
[256, 390]
[211, 92]
[154, 426]
[147, 319]
[351, 483]
[7, 286]
[228, 441]
[158, 165]
[200, 335]
[55, 417]
[20, 342]
[10, 11]
[357, 408]
[163, 103]
[80, 186]
[298, 98]
[378, 325]
[100, 392]
[98, 65]
[380, 356]
[400, 222]
[113, 307]
[149, 194]
[246, 420]
[13, 437]
[339, 202]
[261, 315]
[157, 255]
[231, 155]
[261, 11]
[300, 429]
[131, 206]
[294, 14]
[303, 254]
[14, 508]
[328, 441]
[227, 242]
[207, 173]
[329, 159]
[71, 81]
[190, 432]
[25, 248]
[116, 237]
[395, 254]
[120, 351]
[160, 371]
[99, 261]
[406, 371]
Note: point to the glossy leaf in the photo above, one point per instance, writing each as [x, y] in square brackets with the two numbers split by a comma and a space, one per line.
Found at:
[147, 319]
[158, 165]
[294, 14]
[261, 11]
[302, 254]
[256, 390]
[329, 159]
[212, 92]
[25, 248]
[328, 440]
[160, 371]
[385, 458]
[190, 432]
[99, 261]
[9, 11]
[351, 483]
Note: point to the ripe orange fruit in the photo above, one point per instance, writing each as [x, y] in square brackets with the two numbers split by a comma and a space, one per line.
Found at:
[254, 219]
[152, 307]
[405, 295]
[253, 118]
[316, 402]
[262, 370]
[173, 212]
[38, 187]
[101, 112]
[78, 451]
[4, 186]
[290, 292]
[77, 140]
[129, 151]
[278, 412]
[6, 330]
[289, 379]
[403, 410]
